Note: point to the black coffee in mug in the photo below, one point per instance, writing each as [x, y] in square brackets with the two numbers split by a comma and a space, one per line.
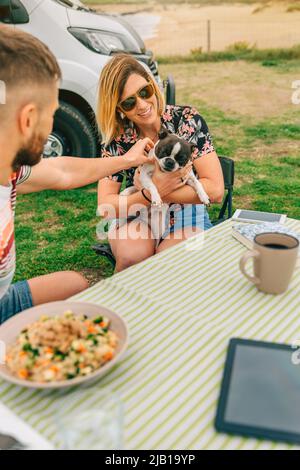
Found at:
[276, 246]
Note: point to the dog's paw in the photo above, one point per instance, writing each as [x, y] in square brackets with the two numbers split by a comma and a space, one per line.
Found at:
[205, 200]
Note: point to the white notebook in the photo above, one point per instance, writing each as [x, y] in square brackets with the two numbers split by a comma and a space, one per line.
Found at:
[16, 434]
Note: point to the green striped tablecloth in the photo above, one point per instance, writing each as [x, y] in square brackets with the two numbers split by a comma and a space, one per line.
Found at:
[182, 307]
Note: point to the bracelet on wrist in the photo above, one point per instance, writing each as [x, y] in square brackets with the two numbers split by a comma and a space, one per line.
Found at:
[146, 197]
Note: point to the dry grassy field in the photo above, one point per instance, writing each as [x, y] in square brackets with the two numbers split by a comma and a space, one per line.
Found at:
[183, 26]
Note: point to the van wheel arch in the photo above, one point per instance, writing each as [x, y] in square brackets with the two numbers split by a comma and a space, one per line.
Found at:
[75, 130]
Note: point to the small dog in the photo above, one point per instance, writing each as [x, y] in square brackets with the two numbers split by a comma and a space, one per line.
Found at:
[172, 153]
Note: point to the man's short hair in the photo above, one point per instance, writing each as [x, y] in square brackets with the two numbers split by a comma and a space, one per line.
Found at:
[25, 60]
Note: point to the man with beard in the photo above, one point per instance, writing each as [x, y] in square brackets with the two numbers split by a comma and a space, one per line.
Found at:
[31, 76]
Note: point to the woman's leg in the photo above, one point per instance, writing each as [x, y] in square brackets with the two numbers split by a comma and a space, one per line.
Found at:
[131, 244]
[177, 237]
[188, 222]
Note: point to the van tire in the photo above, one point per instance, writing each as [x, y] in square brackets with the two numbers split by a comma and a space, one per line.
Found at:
[76, 134]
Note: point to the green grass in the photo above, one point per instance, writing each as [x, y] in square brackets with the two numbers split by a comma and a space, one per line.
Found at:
[293, 7]
[54, 230]
[268, 57]
[269, 131]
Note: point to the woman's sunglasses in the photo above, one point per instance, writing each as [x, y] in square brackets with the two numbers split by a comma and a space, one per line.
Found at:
[145, 92]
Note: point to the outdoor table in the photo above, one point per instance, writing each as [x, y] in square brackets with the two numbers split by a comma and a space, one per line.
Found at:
[182, 307]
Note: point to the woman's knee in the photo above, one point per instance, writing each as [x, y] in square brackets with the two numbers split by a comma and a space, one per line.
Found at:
[78, 281]
[177, 237]
[131, 247]
[73, 282]
[129, 257]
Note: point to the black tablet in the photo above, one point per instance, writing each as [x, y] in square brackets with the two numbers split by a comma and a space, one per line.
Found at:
[260, 393]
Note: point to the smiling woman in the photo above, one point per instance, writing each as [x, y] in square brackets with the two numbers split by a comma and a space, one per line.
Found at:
[135, 110]
[123, 78]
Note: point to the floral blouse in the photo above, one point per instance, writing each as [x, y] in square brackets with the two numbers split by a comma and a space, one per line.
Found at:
[183, 121]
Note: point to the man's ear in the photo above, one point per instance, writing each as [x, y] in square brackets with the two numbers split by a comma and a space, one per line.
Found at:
[163, 133]
[28, 119]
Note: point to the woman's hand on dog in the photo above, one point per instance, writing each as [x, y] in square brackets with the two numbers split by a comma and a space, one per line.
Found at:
[166, 183]
[138, 154]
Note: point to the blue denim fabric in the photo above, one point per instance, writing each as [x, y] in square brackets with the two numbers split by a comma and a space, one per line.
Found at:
[15, 300]
[188, 215]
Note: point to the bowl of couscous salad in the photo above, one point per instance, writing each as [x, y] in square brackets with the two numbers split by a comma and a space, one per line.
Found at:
[61, 344]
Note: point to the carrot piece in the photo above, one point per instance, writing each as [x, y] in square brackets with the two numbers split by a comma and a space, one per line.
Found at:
[108, 356]
[23, 373]
[92, 329]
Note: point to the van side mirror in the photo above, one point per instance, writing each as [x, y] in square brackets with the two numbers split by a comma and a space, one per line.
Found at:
[13, 12]
[19, 12]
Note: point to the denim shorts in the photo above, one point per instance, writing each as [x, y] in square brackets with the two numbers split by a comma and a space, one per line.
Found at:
[187, 216]
[15, 300]
[178, 217]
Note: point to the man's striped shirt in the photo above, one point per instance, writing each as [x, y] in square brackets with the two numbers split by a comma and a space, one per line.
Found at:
[7, 237]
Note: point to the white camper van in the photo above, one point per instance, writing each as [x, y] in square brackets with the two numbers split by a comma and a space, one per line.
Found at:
[83, 42]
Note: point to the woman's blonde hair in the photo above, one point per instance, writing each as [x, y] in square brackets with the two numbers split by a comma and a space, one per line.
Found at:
[112, 81]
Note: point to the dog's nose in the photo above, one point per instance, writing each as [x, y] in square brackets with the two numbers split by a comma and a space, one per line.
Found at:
[169, 163]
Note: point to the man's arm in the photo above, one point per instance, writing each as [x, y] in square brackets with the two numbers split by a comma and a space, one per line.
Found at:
[70, 172]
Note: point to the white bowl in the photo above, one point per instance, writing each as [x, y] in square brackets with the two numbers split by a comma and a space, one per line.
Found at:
[12, 328]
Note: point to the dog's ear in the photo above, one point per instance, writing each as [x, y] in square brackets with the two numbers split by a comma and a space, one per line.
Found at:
[163, 133]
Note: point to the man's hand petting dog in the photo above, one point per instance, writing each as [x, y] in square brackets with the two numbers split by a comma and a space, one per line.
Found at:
[165, 183]
[138, 154]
